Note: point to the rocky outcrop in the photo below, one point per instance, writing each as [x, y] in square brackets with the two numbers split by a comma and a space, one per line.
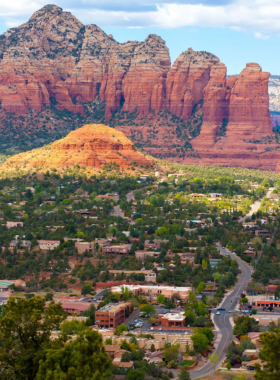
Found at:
[55, 62]
[186, 81]
[90, 146]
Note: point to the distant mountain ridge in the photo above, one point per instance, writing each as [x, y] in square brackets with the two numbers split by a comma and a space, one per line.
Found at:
[57, 74]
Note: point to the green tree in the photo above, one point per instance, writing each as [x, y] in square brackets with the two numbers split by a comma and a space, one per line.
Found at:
[120, 329]
[214, 359]
[153, 348]
[72, 327]
[228, 366]
[134, 374]
[25, 330]
[270, 353]
[49, 297]
[201, 309]
[78, 359]
[200, 287]
[147, 310]
[86, 289]
[277, 292]
[208, 333]
[126, 357]
[245, 324]
[160, 298]
[184, 375]
[200, 342]
[190, 316]
[90, 313]
[171, 352]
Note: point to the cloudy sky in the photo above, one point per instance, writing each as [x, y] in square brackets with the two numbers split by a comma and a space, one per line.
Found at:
[237, 31]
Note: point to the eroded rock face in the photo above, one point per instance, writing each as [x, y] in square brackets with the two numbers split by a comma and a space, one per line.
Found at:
[91, 146]
[240, 106]
[186, 81]
[54, 60]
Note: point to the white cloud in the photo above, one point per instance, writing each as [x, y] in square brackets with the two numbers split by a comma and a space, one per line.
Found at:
[261, 17]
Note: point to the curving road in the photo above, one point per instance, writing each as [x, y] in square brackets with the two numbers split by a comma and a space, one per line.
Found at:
[222, 321]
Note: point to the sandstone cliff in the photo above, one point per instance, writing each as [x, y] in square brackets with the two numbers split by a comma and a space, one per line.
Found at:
[54, 62]
[90, 146]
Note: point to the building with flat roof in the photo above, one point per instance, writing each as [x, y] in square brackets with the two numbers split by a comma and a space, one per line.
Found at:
[168, 291]
[149, 275]
[142, 255]
[170, 320]
[119, 249]
[14, 224]
[112, 315]
[84, 246]
[161, 338]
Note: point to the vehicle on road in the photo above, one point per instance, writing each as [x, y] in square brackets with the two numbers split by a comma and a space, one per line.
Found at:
[221, 309]
[151, 328]
[218, 313]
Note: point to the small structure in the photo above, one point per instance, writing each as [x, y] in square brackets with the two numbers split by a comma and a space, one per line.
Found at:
[5, 285]
[14, 224]
[21, 244]
[146, 290]
[82, 247]
[112, 315]
[119, 249]
[170, 320]
[142, 255]
[48, 245]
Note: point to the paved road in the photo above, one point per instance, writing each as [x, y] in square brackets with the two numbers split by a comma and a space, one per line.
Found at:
[256, 205]
[222, 321]
[117, 211]
[96, 297]
[130, 196]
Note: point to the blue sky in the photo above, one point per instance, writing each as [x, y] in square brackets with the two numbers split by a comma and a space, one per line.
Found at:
[237, 31]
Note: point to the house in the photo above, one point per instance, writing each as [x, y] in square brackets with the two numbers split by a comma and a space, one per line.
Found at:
[75, 307]
[21, 244]
[254, 337]
[215, 195]
[214, 262]
[185, 258]
[262, 233]
[149, 275]
[119, 249]
[82, 247]
[171, 320]
[146, 290]
[5, 285]
[154, 244]
[112, 315]
[14, 224]
[48, 245]
[142, 255]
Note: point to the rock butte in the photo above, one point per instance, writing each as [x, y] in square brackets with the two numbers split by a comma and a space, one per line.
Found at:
[55, 60]
[91, 146]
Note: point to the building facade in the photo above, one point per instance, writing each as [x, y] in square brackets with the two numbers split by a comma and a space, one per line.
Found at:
[82, 247]
[112, 315]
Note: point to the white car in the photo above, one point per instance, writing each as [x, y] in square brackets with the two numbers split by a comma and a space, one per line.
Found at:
[151, 328]
[160, 329]
[218, 313]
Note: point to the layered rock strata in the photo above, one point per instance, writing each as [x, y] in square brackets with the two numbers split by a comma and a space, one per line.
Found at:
[90, 146]
[54, 60]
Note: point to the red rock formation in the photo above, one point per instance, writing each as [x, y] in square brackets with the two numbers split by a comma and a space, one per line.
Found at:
[54, 60]
[244, 102]
[186, 81]
[91, 146]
